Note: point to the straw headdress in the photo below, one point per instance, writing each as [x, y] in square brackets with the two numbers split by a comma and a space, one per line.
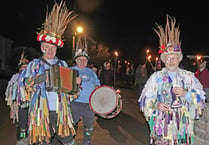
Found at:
[55, 24]
[169, 38]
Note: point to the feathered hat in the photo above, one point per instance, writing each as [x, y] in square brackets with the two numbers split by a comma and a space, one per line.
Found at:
[55, 24]
[169, 39]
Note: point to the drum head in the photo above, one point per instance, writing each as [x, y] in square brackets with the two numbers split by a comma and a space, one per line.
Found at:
[103, 100]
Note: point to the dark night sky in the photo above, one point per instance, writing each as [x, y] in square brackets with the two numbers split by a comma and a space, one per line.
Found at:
[122, 25]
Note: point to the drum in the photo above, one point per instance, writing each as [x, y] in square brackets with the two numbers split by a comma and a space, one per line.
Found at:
[105, 102]
[62, 79]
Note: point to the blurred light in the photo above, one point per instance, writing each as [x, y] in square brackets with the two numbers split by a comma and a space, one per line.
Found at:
[199, 57]
[116, 53]
[79, 29]
[149, 58]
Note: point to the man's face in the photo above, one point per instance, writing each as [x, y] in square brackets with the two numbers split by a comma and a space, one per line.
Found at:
[107, 66]
[49, 50]
[171, 62]
[202, 65]
[81, 62]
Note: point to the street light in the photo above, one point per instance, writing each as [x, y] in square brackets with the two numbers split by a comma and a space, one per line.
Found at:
[79, 29]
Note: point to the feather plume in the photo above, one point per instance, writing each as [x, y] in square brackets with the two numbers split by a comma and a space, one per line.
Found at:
[57, 20]
[169, 35]
[23, 59]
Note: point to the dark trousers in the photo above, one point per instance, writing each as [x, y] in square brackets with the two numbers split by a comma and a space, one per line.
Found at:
[140, 88]
[22, 124]
[54, 130]
[83, 111]
[23, 118]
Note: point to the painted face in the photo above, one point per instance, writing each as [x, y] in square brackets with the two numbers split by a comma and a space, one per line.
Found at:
[49, 50]
[171, 62]
[81, 62]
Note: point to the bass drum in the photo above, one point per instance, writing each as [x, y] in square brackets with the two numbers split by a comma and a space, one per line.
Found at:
[105, 102]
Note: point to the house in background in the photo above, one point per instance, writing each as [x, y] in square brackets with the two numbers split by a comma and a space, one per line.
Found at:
[5, 69]
[5, 52]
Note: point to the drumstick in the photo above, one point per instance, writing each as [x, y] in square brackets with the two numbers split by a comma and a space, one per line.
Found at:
[80, 87]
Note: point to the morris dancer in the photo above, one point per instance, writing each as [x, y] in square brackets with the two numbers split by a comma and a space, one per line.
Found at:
[49, 112]
[172, 97]
[16, 99]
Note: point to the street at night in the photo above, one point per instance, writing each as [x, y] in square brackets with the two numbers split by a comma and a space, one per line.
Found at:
[128, 128]
[55, 54]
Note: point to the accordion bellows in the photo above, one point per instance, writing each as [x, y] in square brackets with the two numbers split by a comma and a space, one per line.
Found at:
[62, 79]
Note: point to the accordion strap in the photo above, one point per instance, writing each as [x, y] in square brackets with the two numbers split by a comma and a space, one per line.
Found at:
[46, 62]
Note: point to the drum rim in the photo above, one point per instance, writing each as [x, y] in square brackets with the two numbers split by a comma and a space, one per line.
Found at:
[91, 97]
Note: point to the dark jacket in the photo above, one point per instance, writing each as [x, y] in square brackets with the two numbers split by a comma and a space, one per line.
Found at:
[107, 77]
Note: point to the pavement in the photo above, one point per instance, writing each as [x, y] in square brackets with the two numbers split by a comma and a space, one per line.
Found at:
[127, 128]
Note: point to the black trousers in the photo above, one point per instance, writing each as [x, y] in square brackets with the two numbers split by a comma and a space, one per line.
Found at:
[54, 130]
[22, 124]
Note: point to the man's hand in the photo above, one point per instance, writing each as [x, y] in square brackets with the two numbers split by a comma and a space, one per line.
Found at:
[162, 107]
[78, 80]
[179, 92]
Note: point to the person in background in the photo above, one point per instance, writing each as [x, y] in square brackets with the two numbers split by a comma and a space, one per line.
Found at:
[141, 77]
[127, 74]
[172, 97]
[100, 68]
[49, 110]
[15, 96]
[202, 74]
[107, 75]
[132, 74]
[80, 106]
[93, 67]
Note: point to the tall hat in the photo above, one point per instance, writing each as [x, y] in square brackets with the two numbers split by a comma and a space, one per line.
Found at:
[81, 52]
[81, 47]
[169, 39]
[55, 24]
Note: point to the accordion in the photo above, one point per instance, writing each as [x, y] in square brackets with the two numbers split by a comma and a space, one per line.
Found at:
[62, 79]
